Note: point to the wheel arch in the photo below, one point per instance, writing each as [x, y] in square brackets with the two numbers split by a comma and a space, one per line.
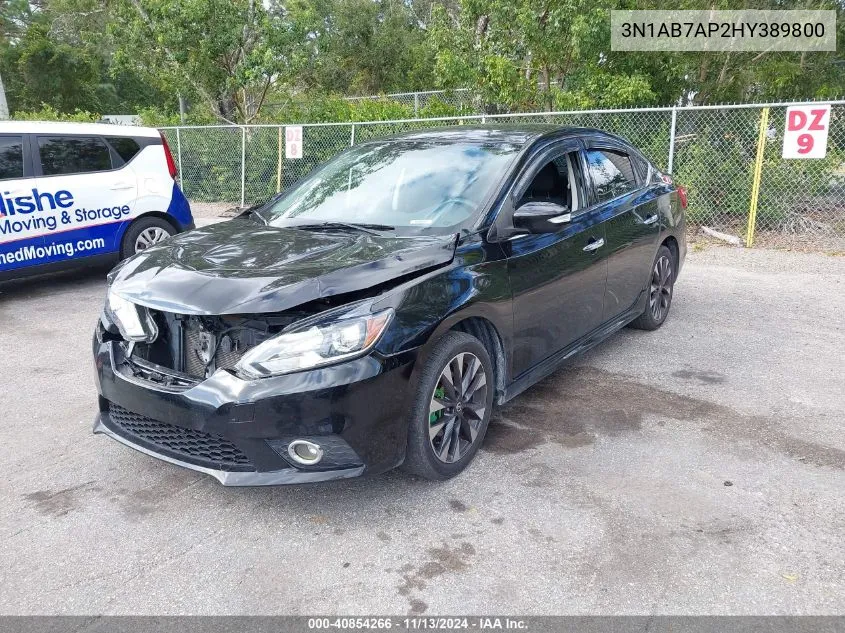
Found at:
[126, 226]
[485, 331]
[161, 215]
[671, 243]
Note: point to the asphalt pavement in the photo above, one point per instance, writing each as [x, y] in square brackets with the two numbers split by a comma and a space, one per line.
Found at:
[693, 470]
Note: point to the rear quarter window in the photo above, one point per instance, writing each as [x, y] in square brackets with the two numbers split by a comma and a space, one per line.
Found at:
[125, 147]
[641, 166]
[73, 155]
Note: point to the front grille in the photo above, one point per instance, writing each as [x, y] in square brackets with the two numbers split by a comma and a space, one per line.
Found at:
[230, 350]
[193, 344]
[226, 349]
[197, 346]
[194, 446]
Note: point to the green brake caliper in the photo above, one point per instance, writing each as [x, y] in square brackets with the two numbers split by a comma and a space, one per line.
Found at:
[438, 393]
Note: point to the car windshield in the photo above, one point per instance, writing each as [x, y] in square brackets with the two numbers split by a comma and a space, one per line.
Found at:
[406, 186]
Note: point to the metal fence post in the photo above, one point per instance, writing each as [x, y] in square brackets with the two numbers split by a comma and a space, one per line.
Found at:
[672, 139]
[758, 172]
[416, 104]
[243, 167]
[352, 136]
[179, 158]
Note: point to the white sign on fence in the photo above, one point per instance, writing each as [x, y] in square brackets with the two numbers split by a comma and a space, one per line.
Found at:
[293, 141]
[806, 130]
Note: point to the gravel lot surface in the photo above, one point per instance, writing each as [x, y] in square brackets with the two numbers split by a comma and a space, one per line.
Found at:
[696, 470]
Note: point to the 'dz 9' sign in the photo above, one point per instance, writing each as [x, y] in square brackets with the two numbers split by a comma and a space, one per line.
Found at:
[806, 131]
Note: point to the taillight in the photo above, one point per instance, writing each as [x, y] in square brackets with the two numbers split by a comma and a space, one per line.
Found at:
[171, 166]
[682, 196]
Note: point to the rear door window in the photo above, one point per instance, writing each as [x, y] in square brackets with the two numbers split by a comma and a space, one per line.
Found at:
[612, 173]
[11, 157]
[73, 155]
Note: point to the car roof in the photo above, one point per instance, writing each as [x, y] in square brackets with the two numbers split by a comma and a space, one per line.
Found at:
[64, 127]
[517, 134]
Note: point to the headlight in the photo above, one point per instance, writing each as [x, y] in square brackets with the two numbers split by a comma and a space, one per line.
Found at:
[133, 321]
[315, 342]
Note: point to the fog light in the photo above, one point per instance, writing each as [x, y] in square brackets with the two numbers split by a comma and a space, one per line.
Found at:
[305, 452]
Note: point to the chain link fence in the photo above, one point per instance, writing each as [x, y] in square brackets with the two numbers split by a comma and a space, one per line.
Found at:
[711, 150]
[461, 98]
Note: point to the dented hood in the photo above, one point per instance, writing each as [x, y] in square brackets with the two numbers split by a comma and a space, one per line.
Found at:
[238, 267]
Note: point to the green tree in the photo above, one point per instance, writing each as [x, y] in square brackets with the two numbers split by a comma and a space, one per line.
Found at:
[231, 58]
[13, 14]
[720, 77]
[361, 47]
[226, 54]
[58, 54]
[539, 54]
[533, 54]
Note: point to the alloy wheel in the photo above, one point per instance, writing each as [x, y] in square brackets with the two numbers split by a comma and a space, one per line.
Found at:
[661, 288]
[458, 406]
[149, 237]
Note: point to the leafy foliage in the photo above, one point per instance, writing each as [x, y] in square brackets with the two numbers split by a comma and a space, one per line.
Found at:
[263, 60]
[49, 113]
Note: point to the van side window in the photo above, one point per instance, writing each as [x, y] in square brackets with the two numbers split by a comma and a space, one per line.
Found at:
[73, 155]
[125, 147]
[11, 157]
[612, 173]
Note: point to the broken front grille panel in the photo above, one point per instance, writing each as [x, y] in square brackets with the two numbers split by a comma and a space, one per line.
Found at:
[190, 348]
[197, 346]
[206, 350]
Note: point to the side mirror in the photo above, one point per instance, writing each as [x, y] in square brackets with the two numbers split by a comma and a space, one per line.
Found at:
[539, 216]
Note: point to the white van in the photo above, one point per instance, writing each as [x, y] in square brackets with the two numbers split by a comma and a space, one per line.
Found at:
[73, 194]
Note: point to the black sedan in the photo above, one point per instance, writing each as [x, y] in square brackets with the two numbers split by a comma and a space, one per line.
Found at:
[373, 315]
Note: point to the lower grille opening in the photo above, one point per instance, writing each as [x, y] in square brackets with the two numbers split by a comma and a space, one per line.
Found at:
[196, 447]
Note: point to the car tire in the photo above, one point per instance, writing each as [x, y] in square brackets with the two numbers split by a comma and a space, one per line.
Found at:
[149, 231]
[444, 432]
[661, 287]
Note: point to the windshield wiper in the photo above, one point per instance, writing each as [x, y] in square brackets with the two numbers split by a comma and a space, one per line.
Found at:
[374, 229]
[255, 214]
[255, 211]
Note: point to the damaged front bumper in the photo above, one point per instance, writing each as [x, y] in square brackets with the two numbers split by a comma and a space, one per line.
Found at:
[238, 431]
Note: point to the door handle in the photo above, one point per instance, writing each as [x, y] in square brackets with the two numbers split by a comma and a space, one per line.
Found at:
[594, 245]
[650, 219]
[121, 186]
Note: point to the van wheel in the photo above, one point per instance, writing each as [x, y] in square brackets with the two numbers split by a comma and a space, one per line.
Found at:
[660, 288]
[144, 233]
[451, 408]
